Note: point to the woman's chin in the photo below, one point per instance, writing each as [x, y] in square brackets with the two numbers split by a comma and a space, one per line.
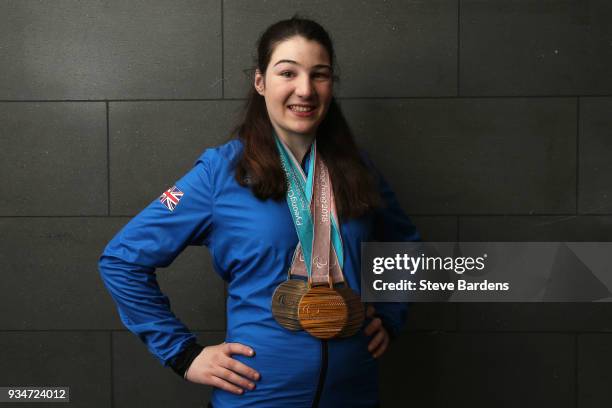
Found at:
[301, 128]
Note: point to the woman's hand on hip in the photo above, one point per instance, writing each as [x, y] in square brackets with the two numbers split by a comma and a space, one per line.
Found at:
[380, 337]
[215, 366]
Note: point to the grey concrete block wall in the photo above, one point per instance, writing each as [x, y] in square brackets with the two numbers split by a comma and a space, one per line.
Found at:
[491, 120]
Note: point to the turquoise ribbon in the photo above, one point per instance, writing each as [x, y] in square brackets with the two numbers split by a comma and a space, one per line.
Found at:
[299, 196]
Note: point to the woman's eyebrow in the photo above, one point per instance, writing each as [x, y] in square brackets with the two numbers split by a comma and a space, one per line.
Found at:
[293, 62]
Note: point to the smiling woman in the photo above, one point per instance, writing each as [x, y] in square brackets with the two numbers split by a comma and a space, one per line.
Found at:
[283, 207]
[297, 89]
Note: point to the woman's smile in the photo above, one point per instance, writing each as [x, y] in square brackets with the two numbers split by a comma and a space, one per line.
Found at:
[302, 111]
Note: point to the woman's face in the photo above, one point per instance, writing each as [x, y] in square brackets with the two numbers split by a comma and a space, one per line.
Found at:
[299, 73]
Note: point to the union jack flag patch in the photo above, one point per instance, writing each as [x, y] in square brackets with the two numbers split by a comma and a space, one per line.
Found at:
[171, 197]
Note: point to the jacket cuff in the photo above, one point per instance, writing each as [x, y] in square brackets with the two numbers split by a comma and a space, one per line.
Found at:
[184, 358]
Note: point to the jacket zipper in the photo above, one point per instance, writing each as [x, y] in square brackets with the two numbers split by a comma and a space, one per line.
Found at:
[322, 374]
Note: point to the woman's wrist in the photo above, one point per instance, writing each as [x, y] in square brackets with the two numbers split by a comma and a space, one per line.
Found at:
[388, 328]
[180, 364]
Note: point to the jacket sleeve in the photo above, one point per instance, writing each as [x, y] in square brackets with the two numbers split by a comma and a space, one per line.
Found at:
[152, 239]
[391, 224]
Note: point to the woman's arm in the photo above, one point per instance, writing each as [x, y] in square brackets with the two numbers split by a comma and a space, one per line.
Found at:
[391, 224]
[152, 239]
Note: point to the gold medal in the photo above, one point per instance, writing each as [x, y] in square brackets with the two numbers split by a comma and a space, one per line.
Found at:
[285, 301]
[323, 312]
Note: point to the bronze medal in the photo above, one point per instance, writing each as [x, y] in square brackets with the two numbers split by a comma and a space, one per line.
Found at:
[285, 301]
[356, 311]
[323, 312]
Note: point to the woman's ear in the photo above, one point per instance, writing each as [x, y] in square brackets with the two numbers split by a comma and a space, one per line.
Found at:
[259, 82]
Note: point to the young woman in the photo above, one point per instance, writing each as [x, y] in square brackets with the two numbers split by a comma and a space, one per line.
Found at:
[239, 200]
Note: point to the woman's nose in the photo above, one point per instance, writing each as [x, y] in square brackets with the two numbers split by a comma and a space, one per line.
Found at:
[304, 87]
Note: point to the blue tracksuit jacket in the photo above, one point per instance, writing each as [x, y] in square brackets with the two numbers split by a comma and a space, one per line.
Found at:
[251, 243]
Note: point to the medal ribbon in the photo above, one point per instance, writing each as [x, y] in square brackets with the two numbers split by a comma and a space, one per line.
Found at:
[311, 203]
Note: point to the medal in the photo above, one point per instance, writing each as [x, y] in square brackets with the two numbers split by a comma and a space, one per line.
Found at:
[323, 312]
[316, 306]
[285, 301]
[287, 295]
[356, 311]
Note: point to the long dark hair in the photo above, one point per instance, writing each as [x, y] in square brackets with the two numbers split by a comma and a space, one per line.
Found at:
[259, 166]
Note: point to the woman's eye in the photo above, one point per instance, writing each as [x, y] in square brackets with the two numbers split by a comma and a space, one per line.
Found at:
[288, 74]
